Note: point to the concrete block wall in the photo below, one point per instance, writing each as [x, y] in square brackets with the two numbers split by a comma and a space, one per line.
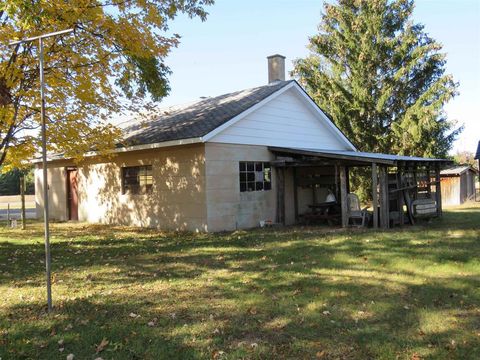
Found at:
[227, 207]
[177, 200]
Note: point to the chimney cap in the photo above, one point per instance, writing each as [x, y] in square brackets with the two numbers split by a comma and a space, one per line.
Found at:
[276, 55]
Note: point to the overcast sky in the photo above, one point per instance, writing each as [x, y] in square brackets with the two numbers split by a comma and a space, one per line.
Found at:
[228, 52]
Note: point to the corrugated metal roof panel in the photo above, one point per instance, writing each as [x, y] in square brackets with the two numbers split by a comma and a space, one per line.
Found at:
[457, 170]
[359, 156]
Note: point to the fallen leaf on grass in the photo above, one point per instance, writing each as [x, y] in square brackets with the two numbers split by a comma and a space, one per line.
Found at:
[103, 344]
[320, 354]
[133, 315]
[70, 356]
[218, 354]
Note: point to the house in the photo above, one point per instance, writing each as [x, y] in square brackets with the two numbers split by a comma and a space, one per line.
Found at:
[458, 184]
[228, 162]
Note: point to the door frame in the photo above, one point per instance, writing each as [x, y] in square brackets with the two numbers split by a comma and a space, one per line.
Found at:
[68, 169]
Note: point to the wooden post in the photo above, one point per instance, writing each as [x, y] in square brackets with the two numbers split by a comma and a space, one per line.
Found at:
[22, 197]
[384, 208]
[400, 196]
[347, 173]
[415, 182]
[281, 195]
[336, 182]
[295, 193]
[375, 195]
[429, 181]
[343, 195]
[438, 191]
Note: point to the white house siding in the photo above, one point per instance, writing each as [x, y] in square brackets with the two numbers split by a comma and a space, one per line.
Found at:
[286, 121]
[227, 207]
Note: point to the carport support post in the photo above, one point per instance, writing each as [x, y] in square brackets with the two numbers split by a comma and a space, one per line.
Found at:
[384, 212]
[343, 195]
[438, 191]
[22, 198]
[375, 195]
[400, 196]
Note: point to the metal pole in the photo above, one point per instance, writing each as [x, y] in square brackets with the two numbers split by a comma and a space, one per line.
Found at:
[44, 157]
[48, 260]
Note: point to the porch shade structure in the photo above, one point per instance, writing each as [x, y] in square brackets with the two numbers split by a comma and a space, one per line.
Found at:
[397, 180]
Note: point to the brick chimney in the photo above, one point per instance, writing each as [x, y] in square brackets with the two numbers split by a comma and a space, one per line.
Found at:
[276, 68]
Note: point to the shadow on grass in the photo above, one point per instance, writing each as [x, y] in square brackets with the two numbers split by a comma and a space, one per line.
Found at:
[289, 293]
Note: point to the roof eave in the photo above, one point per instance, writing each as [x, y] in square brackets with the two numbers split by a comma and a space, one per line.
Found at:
[360, 159]
[124, 149]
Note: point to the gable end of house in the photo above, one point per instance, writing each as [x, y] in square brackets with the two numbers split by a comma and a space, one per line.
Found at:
[288, 118]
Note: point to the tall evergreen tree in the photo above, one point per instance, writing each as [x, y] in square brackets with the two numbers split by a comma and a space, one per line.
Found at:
[380, 77]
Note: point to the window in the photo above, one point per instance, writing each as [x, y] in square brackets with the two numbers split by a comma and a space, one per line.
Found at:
[137, 179]
[255, 176]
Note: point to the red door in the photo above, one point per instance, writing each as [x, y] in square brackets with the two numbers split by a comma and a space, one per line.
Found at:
[72, 194]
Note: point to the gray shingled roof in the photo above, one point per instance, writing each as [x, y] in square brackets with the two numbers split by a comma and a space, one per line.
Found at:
[195, 119]
[477, 154]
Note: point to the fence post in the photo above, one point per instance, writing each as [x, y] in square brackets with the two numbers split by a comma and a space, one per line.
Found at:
[22, 196]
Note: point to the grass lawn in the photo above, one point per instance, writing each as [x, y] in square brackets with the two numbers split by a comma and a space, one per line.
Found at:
[293, 293]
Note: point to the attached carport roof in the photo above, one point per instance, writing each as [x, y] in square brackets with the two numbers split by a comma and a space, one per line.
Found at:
[357, 157]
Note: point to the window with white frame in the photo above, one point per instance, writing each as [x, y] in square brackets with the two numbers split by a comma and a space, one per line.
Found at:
[255, 176]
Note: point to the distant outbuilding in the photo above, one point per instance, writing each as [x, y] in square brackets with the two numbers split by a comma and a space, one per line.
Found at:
[458, 184]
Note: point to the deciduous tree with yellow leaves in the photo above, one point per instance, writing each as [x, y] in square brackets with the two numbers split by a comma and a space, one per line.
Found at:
[115, 60]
